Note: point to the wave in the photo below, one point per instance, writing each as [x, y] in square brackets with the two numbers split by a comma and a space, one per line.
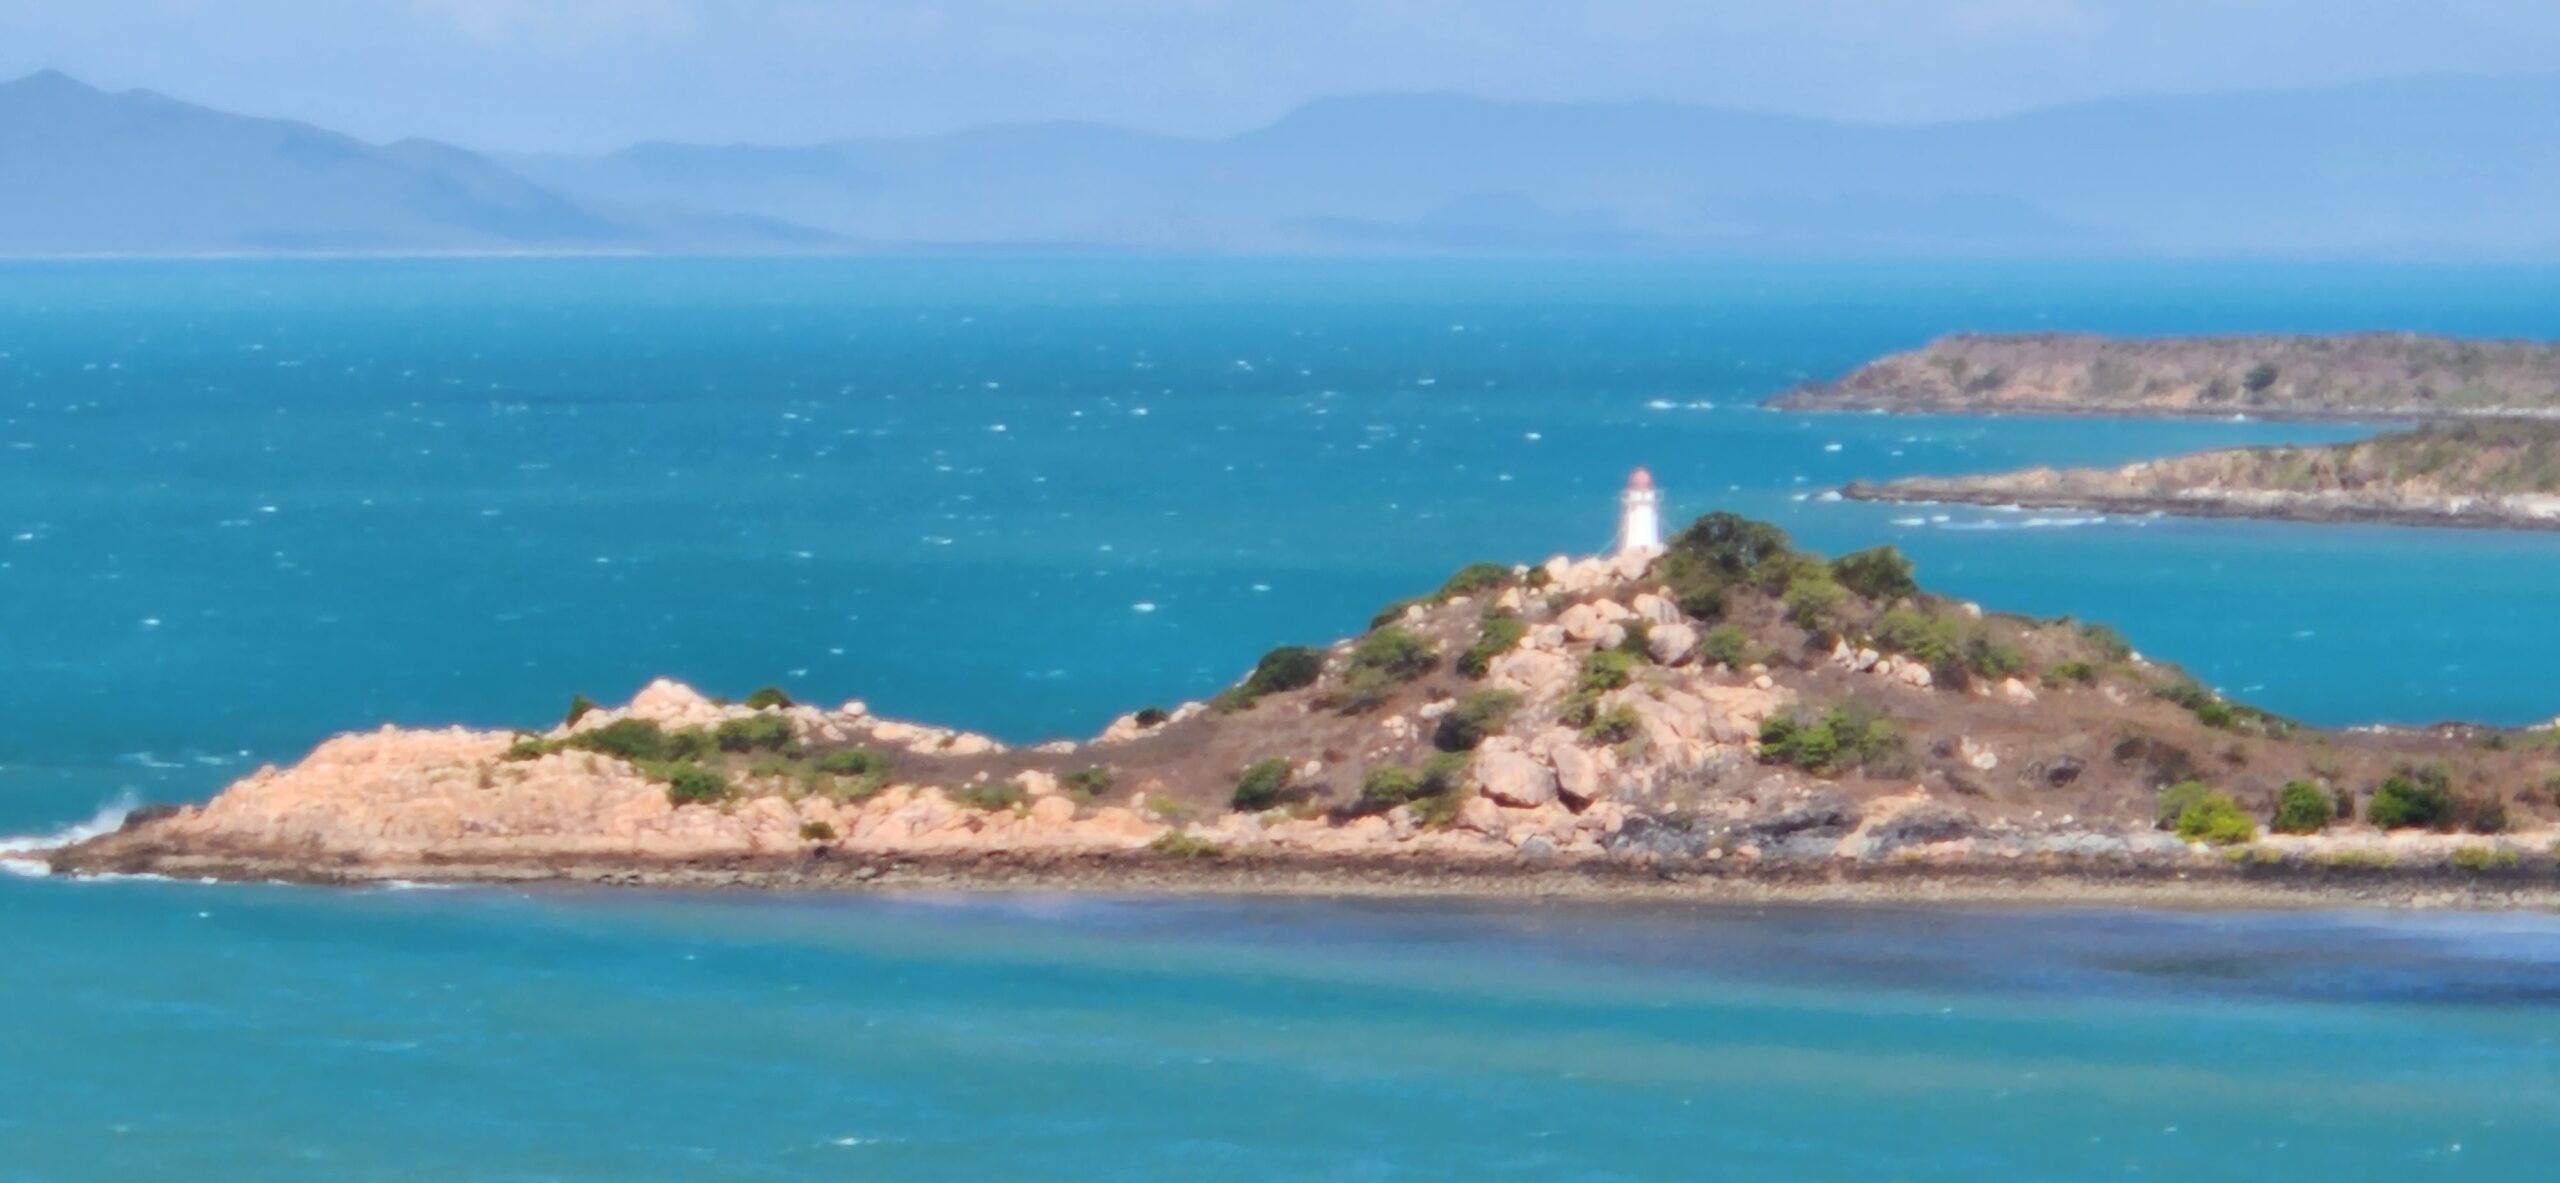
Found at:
[109, 818]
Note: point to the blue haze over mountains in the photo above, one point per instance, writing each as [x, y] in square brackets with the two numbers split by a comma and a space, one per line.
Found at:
[2414, 169]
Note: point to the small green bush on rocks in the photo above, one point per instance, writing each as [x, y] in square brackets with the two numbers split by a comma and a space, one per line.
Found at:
[2303, 808]
[2217, 819]
[1264, 785]
[1499, 633]
[1474, 718]
[693, 784]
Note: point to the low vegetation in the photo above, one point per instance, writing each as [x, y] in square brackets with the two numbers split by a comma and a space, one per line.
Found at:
[2303, 808]
[1497, 634]
[1383, 661]
[1265, 784]
[1433, 792]
[1849, 737]
[1289, 667]
[1476, 716]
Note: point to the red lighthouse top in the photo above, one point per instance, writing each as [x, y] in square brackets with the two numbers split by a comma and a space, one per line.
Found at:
[1640, 479]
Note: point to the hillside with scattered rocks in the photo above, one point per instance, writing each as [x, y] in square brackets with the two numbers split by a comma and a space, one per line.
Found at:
[1732, 710]
[2485, 474]
[2335, 376]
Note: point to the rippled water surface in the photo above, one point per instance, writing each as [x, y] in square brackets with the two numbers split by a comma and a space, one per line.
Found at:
[244, 505]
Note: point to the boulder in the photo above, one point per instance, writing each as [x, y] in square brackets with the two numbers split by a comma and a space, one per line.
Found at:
[1671, 644]
[1583, 622]
[1654, 609]
[1508, 775]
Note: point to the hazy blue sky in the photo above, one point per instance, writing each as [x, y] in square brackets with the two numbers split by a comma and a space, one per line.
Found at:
[595, 73]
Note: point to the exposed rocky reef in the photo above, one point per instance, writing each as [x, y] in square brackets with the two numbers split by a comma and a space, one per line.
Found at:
[2498, 475]
[2337, 376]
[1731, 711]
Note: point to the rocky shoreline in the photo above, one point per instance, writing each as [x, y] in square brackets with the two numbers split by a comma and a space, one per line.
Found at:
[2502, 476]
[1730, 719]
[2360, 377]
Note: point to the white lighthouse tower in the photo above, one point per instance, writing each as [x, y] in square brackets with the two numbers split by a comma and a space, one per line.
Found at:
[1639, 516]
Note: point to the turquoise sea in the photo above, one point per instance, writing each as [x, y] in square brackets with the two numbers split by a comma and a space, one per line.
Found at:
[244, 505]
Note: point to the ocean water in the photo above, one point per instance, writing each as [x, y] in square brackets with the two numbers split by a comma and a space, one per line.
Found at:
[169, 1031]
[245, 505]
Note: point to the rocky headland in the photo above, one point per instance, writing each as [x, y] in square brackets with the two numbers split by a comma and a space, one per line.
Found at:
[2503, 475]
[1729, 717]
[2335, 376]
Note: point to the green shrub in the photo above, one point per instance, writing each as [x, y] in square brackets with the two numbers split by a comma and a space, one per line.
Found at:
[769, 698]
[693, 784]
[1264, 785]
[2478, 857]
[1289, 667]
[1726, 645]
[1784, 740]
[817, 832]
[1395, 654]
[1499, 633]
[579, 705]
[2106, 642]
[1880, 574]
[1446, 773]
[768, 767]
[1444, 787]
[2303, 808]
[1386, 787]
[1605, 670]
[2412, 799]
[755, 733]
[1813, 604]
[850, 762]
[2217, 819]
[989, 795]
[1989, 657]
[1473, 579]
[1087, 784]
[692, 743]
[1720, 549]
[1473, 719]
[1150, 717]
[1638, 639]
[1850, 735]
[2175, 799]
[2071, 671]
[1701, 603]
[1183, 844]
[1616, 725]
[1932, 640]
[529, 747]
[624, 739]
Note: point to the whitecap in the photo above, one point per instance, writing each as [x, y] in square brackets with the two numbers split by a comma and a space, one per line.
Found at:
[1831, 447]
[107, 820]
[1143, 606]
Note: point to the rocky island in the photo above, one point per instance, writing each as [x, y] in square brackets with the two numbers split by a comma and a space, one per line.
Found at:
[2337, 376]
[2486, 474]
[1725, 716]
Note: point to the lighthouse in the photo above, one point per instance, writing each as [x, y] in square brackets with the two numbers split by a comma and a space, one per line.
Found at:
[1639, 516]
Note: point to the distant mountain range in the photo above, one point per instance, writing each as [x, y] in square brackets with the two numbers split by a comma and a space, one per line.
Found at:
[2417, 169]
